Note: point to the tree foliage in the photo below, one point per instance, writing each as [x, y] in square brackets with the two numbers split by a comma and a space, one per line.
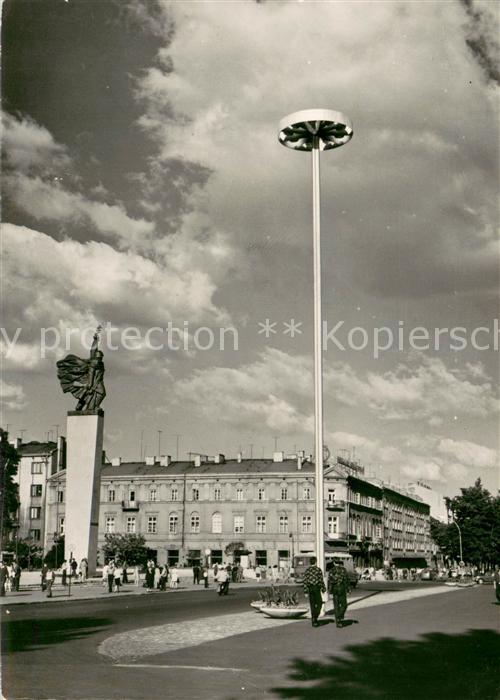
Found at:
[128, 548]
[55, 555]
[9, 491]
[477, 514]
[28, 554]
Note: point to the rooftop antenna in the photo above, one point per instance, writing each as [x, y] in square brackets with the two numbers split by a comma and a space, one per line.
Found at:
[22, 434]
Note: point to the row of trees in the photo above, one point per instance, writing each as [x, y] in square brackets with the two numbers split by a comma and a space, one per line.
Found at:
[477, 514]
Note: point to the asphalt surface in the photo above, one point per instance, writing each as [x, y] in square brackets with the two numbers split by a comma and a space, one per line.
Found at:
[436, 646]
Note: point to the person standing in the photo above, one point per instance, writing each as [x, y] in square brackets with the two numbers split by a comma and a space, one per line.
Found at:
[150, 575]
[51, 577]
[205, 576]
[4, 575]
[196, 574]
[118, 577]
[338, 585]
[105, 575]
[17, 575]
[84, 566]
[496, 582]
[111, 575]
[223, 581]
[64, 573]
[314, 586]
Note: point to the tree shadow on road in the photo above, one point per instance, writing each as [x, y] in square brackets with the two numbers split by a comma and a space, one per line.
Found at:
[26, 635]
[434, 667]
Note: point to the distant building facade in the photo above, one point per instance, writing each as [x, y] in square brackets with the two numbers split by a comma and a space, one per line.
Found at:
[263, 508]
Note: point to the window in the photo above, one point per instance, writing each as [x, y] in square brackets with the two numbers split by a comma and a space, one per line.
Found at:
[110, 524]
[217, 493]
[174, 495]
[36, 490]
[60, 496]
[239, 523]
[195, 523]
[152, 524]
[111, 495]
[283, 524]
[261, 494]
[131, 495]
[331, 496]
[152, 493]
[35, 534]
[195, 494]
[261, 523]
[333, 525]
[217, 523]
[260, 557]
[284, 493]
[173, 524]
[283, 557]
[131, 525]
[35, 512]
[307, 493]
[239, 494]
[36, 467]
[306, 523]
[60, 526]
[172, 557]
[357, 498]
[216, 556]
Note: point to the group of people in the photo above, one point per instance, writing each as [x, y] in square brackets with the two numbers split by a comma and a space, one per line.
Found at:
[71, 569]
[114, 573]
[10, 577]
[338, 586]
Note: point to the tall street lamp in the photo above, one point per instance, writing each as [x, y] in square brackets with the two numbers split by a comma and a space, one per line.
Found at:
[316, 130]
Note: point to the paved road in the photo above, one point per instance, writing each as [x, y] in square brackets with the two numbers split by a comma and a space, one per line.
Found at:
[435, 646]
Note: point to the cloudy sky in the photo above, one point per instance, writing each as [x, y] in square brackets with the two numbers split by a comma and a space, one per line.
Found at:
[145, 188]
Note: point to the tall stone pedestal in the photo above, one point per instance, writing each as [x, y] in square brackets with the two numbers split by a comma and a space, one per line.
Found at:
[83, 482]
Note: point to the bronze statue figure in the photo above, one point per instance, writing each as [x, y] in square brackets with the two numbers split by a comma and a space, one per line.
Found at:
[84, 378]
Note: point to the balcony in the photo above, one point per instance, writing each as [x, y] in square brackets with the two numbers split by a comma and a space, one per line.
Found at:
[335, 505]
[130, 505]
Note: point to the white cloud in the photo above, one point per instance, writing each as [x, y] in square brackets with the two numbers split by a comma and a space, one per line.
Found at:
[29, 146]
[422, 389]
[469, 453]
[11, 396]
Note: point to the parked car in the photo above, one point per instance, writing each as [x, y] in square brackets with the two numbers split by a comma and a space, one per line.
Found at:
[487, 577]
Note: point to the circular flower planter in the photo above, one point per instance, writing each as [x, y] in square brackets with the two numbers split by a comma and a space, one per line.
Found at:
[257, 604]
[283, 613]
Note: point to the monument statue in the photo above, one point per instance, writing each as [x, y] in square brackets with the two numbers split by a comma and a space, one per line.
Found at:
[84, 378]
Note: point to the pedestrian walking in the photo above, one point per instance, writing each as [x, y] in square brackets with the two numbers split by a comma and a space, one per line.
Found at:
[43, 576]
[164, 578]
[51, 577]
[196, 574]
[124, 573]
[74, 568]
[216, 572]
[64, 573]
[174, 578]
[314, 586]
[205, 576]
[17, 575]
[105, 575]
[338, 585]
[150, 575]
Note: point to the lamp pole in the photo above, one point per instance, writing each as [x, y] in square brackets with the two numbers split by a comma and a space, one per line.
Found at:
[459, 539]
[316, 130]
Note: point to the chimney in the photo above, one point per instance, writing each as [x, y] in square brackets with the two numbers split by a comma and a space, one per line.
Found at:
[278, 456]
[239, 457]
[151, 461]
[219, 459]
[61, 453]
[301, 453]
[299, 462]
[165, 460]
[17, 443]
[116, 461]
[197, 460]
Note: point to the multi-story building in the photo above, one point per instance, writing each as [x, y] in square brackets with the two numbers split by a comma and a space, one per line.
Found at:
[39, 461]
[434, 500]
[260, 507]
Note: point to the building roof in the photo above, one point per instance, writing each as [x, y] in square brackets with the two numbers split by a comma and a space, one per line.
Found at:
[36, 449]
[250, 467]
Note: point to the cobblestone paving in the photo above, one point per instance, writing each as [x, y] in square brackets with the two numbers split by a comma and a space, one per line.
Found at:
[159, 639]
[176, 635]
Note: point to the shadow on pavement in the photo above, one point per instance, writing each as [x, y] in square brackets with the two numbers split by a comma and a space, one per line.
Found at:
[25, 635]
[434, 666]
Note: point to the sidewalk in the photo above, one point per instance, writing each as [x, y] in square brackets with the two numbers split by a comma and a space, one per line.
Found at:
[93, 589]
